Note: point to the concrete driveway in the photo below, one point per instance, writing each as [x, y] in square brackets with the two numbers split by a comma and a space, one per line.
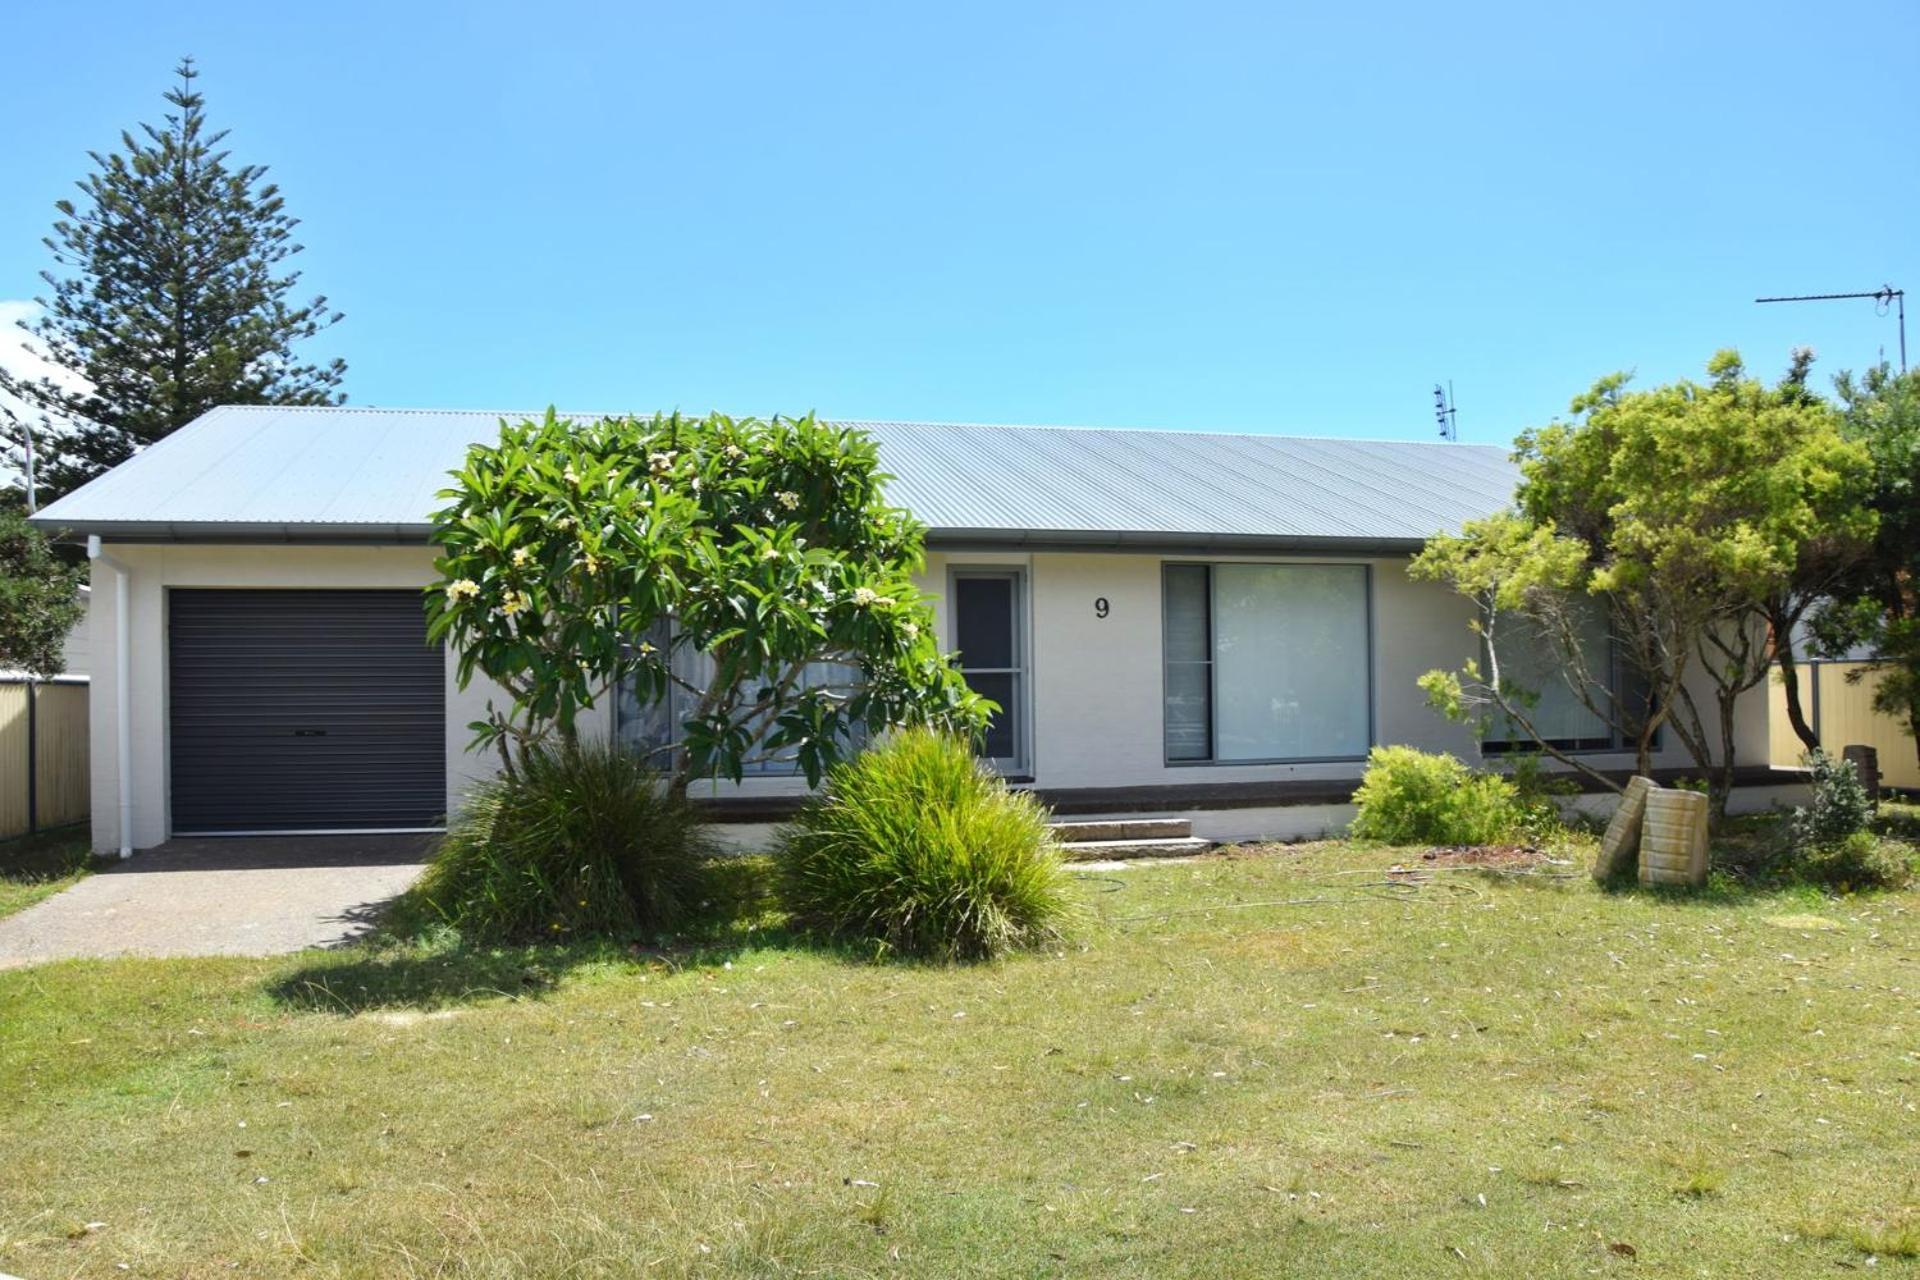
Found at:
[234, 896]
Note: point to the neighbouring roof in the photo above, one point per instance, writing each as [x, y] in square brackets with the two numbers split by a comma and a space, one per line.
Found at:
[362, 474]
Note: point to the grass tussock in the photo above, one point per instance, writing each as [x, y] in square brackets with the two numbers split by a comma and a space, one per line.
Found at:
[1696, 1176]
[583, 841]
[917, 846]
[1897, 1237]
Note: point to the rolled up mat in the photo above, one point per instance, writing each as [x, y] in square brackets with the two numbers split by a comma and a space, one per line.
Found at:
[1673, 839]
[1621, 843]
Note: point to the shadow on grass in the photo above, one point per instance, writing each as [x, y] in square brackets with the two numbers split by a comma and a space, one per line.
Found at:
[369, 976]
[33, 868]
[1745, 863]
[48, 855]
[410, 961]
[1751, 859]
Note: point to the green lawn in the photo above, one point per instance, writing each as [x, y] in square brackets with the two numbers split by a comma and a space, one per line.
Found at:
[1271, 1065]
[39, 866]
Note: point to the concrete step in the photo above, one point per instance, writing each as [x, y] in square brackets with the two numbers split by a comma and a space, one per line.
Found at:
[1122, 829]
[1103, 850]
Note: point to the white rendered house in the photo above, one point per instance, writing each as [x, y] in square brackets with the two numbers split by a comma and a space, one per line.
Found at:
[1176, 622]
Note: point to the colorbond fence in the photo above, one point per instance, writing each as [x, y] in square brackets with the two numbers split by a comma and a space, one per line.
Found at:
[43, 755]
[1842, 714]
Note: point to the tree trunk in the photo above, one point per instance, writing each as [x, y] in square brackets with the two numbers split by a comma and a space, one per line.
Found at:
[1692, 732]
[1790, 681]
[1722, 789]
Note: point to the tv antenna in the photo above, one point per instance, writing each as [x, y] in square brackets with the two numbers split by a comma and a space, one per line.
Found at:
[1443, 412]
[1886, 297]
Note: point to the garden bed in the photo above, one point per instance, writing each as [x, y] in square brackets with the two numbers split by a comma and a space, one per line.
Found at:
[1486, 855]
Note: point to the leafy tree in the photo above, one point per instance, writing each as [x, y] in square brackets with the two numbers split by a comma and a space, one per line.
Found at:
[1706, 519]
[579, 555]
[172, 296]
[1878, 606]
[39, 598]
[1529, 586]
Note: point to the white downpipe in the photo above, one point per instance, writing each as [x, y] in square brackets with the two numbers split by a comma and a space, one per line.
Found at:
[122, 689]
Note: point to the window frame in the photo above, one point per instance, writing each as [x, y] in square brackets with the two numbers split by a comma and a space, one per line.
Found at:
[662, 757]
[1212, 761]
[1507, 748]
[1020, 765]
[1167, 664]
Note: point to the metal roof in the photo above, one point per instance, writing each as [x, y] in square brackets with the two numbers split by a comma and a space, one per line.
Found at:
[363, 474]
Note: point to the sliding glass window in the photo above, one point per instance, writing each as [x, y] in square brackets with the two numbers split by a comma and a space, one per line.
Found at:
[1267, 662]
[1530, 661]
[653, 730]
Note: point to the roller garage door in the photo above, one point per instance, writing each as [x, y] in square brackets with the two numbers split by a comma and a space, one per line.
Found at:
[304, 711]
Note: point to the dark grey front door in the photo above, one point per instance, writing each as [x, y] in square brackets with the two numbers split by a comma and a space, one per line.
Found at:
[304, 711]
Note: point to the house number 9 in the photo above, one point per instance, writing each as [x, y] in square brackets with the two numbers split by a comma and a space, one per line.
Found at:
[1100, 607]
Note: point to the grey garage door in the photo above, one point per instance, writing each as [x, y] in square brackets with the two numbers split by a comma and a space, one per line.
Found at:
[304, 711]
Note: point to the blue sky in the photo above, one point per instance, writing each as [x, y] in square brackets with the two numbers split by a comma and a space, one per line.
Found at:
[1198, 216]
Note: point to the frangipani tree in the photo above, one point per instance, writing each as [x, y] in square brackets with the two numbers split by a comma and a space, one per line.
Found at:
[579, 555]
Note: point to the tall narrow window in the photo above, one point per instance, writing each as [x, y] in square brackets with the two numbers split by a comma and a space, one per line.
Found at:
[988, 632]
[1267, 662]
[1189, 647]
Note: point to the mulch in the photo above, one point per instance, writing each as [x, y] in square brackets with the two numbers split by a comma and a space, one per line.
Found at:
[1484, 855]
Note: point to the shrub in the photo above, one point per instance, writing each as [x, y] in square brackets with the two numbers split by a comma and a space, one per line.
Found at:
[1536, 797]
[583, 840]
[917, 845]
[1839, 808]
[1415, 797]
[1859, 861]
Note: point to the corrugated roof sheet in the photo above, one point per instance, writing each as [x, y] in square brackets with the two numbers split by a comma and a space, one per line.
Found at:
[374, 473]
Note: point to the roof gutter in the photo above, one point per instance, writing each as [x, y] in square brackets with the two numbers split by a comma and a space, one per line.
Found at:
[1177, 543]
[235, 533]
[122, 688]
[939, 539]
